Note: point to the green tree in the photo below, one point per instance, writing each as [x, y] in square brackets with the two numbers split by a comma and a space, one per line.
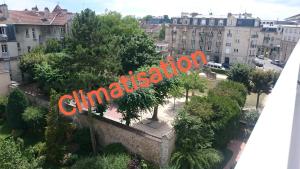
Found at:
[162, 89]
[233, 90]
[192, 81]
[53, 46]
[176, 92]
[118, 161]
[16, 106]
[162, 32]
[55, 132]
[225, 119]
[3, 104]
[197, 159]
[137, 50]
[13, 155]
[132, 104]
[29, 60]
[241, 73]
[193, 144]
[262, 83]
[34, 117]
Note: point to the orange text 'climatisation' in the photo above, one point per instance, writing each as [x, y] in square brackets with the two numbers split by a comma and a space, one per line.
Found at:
[139, 80]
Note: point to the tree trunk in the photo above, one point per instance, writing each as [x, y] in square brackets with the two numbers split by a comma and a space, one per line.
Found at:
[92, 132]
[257, 100]
[186, 95]
[154, 117]
[174, 104]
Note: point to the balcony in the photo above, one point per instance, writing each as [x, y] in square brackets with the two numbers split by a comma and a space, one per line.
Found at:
[4, 56]
[275, 140]
[3, 38]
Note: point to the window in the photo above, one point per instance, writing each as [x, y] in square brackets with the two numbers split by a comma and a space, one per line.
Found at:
[203, 22]
[193, 44]
[228, 44]
[236, 50]
[28, 48]
[4, 48]
[229, 34]
[221, 22]
[18, 46]
[195, 21]
[211, 22]
[237, 41]
[33, 33]
[2, 30]
[27, 33]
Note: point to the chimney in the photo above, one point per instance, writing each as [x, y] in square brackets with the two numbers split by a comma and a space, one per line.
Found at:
[35, 9]
[46, 12]
[229, 14]
[4, 11]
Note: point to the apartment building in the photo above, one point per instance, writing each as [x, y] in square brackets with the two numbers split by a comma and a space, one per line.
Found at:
[241, 36]
[22, 31]
[224, 39]
[192, 32]
[290, 37]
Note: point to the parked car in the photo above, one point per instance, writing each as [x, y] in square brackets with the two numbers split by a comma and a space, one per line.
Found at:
[214, 65]
[261, 57]
[278, 63]
[258, 62]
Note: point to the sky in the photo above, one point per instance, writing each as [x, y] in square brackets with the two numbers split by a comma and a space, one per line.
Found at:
[264, 9]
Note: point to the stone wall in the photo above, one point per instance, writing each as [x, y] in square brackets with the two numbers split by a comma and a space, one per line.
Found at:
[152, 148]
[4, 83]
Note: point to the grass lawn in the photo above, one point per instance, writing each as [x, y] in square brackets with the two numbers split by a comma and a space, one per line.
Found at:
[251, 100]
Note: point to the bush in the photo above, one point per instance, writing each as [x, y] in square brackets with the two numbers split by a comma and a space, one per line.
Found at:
[83, 138]
[219, 71]
[12, 155]
[241, 73]
[115, 148]
[34, 117]
[16, 106]
[205, 158]
[225, 121]
[191, 133]
[250, 117]
[233, 90]
[53, 46]
[3, 104]
[119, 161]
[200, 107]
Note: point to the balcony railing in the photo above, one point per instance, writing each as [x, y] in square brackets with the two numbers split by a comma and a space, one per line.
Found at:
[275, 140]
[3, 37]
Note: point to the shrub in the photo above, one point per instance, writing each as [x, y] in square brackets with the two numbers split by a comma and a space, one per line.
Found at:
[12, 155]
[225, 121]
[16, 106]
[119, 161]
[83, 138]
[205, 158]
[191, 133]
[241, 73]
[53, 46]
[200, 107]
[3, 104]
[115, 148]
[250, 117]
[233, 90]
[34, 117]
[219, 71]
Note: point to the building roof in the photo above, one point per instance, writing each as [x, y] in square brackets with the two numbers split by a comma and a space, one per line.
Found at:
[34, 17]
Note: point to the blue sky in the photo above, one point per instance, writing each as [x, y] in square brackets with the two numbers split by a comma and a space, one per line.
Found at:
[265, 9]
